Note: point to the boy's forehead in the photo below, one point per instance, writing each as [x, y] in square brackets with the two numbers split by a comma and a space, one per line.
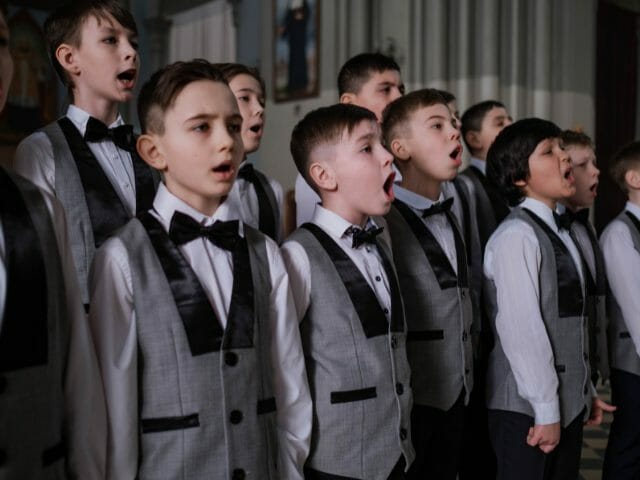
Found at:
[364, 128]
[385, 76]
[426, 112]
[102, 20]
[203, 98]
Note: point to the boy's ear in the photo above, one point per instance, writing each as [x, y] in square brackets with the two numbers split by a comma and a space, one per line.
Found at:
[347, 97]
[632, 178]
[150, 151]
[65, 54]
[399, 149]
[473, 140]
[323, 176]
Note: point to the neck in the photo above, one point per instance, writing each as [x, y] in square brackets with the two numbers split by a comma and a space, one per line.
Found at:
[345, 211]
[549, 202]
[104, 110]
[634, 197]
[572, 206]
[205, 205]
[417, 182]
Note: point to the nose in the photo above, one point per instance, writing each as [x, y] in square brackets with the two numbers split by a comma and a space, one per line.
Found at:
[596, 170]
[129, 50]
[385, 157]
[224, 140]
[258, 108]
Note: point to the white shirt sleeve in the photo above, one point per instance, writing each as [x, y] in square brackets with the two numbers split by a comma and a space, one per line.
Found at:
[113, 325]
[512, 261]
[293, 400]
[298, 268]
[34, 160]
[279, 194]
[622, 264]
[84, 407]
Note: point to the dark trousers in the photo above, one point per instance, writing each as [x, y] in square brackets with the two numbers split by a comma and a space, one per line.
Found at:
[516, 460]
[437, 437]
[622, 458]
[396, 474]
[479, 459]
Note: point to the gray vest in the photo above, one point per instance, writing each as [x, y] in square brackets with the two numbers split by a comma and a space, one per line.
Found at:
[567, 334]
[31, 399]
[209, 415]
[596, 300]
[359, 385]
[621, 348]
[439, 319]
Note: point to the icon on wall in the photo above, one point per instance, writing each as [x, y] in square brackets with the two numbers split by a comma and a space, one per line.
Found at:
[296, 45]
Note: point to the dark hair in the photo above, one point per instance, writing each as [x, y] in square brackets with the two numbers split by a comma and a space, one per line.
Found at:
[323, 126]
[358, 70]
[161, 90]
[65, 24]
[448, 96]
[4, 9]
[573, 137]
[508, 156]
[473, 117]
[231, 70]
[625, 159]
[398, 113]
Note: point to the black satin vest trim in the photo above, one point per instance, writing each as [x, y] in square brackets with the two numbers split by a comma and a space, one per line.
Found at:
[466, 218]
[24, 334]
[499, 204]
[106, 211]
[570, 295]
[363, 298]
[601, 276]
[266, 217]
[203, 329]
[438, 260]
[146, 184]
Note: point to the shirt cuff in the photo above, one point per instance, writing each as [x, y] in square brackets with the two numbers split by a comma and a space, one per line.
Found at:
[547, 413]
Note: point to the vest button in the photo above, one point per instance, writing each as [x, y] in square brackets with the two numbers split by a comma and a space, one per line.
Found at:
[403, 434]
[3, 457]
[238, 474]
[386, 311]
[466, 371]
[464, 336]
[463, 294]
[3, 384]
[235, 417]
[394, 342]
[231, 358]
[399, 388]
[378, 278]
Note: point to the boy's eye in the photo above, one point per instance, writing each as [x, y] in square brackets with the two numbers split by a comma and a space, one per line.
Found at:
[110, 40]
[235, 127]
[134, 44]
[243, 98]
[202, 127]
[437, 126]
[366, 149]
[261, 101]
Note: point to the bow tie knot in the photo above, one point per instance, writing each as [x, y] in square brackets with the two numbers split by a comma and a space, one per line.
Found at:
[361, 236]
[184, 229]
[438, 207]
[122, 136]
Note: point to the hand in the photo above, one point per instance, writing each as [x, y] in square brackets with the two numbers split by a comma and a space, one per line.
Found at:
[546, 437]
[598, 407]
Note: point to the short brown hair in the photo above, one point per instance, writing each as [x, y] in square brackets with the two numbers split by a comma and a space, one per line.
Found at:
[160, 92]
[323, 126]
[358, 70]
[575, 138]
[398, 112]
[232, 70]
[65, 23]
[627, 158]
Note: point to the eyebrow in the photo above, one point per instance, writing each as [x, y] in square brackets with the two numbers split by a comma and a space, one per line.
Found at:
[437, 117]
[248, 89]
[207, 116]
[366, 136]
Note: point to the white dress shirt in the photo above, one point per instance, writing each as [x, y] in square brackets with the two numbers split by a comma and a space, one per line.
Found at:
[437, 224]
[84, 410]
[512, 260]
[34, 160]
[365, 257]
[245, 200]
[113, 323]
[479, 164]
[622, 263]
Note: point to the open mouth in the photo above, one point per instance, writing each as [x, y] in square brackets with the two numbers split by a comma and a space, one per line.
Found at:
[224, 168]
[388, 186]
[128, 77]
[256, 128]
[568, 175]
[455, 154]
[594, 188]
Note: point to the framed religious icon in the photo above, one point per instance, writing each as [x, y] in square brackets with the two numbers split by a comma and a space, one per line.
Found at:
[296, 49]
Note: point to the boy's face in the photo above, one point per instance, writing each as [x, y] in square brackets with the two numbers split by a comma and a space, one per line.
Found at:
[380, 90]
[433, 143]
[6, 62]
[250, 99]
[106, 63]
[201, 146]
[550, 175]
[361, 169]
[492, 124]
[585, 173]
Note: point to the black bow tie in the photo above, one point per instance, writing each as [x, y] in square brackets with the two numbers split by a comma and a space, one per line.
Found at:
[581, 216]
[360, 236]
[439, 207]
[563, 221]
[246, 172]
[122, 136]
[183, 229]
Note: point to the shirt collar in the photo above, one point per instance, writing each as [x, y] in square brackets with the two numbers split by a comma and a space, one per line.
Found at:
[334, 224]
[541, 210]
[80, 118]
[414, 200]
[479, 164]
[633, 208]
[166, 203]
